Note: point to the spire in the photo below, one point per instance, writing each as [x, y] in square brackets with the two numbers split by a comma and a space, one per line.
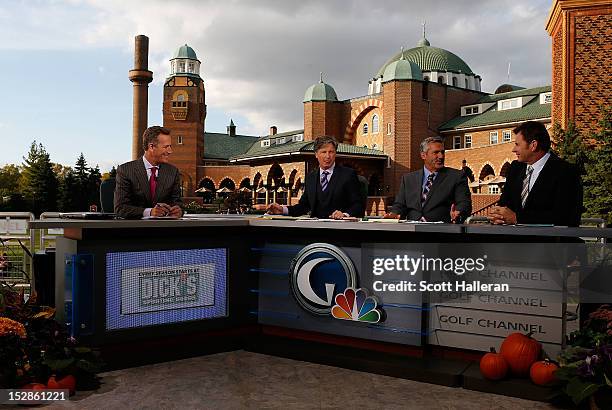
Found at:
[423, 42]
[321, 77]
[402, 53]
[231, 129]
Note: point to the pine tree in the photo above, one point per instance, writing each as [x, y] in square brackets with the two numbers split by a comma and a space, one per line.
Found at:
[39, 183]
[598, 178]
[66, 201]
[93, 186]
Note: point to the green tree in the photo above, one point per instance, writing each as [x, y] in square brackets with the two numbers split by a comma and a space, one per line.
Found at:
[68, 192]
[9, 179]
[93, 186]
[570, 145]
[598, 178]
[39, 184]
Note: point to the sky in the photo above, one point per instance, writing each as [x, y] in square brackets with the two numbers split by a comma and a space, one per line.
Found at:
[64, 63]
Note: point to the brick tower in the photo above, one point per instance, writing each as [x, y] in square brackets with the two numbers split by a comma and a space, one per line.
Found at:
[581, 32]
[184, 112]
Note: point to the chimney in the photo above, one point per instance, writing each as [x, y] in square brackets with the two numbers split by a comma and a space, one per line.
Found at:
[231, 129]
[273, 130]
[140, 76]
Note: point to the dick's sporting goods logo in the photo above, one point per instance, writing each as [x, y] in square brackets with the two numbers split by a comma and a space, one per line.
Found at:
[324, 281]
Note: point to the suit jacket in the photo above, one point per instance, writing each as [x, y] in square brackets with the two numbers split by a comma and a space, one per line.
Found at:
[556, 196]
[132, 194]
[343, 187]
[450, 186]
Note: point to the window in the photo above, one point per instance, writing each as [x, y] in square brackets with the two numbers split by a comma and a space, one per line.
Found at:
[468, 111]
[190, 68]
[425, 78]
[173, 68]
[468, 141]
[365, 128]
[179, 140]
[455, 82]
[389, 128]
[181, 67]
[508, 104]
[280, 140]
[546, 98]
[475, 110]
[493, 137]
[506, 136]
[467, 83]
[425, 91]
[441, 80]
[494, 189]
[471, 110]
[265, 143]
[299, 137]
[375, 124]
[457, 142]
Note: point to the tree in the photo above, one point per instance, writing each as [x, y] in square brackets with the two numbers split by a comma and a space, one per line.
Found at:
[38, 181]
[93, 186]
[9, 180]
[598, 178]
[66, 200]
[570, 145]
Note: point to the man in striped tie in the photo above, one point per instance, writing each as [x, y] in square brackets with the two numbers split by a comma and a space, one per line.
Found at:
[331, 191]
[540, 188]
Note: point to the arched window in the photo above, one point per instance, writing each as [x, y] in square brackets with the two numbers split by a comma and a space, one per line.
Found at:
[467, 83]
[181, 67]
[425, 78]
[455, 82]
[375, 124]
[441, 80]
[388, 128]
[365, 128]
[190, 68]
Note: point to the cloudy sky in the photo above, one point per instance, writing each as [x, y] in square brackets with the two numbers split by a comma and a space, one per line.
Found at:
[64, 63]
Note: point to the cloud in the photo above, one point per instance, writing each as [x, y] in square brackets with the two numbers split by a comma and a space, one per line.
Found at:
[258, 57]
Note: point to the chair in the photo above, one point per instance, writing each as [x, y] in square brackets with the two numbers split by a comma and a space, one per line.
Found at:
[107, 195]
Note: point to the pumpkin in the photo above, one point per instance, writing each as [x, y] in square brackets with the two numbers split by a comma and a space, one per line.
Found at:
[543, 372]
[493, 366]
[66, 382]
[34, 386]
[520, 351]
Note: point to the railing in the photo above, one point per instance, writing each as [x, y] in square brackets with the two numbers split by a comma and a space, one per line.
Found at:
[16, 247]
[47, 236]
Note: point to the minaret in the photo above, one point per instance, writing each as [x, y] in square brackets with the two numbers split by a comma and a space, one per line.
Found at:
[141, 77]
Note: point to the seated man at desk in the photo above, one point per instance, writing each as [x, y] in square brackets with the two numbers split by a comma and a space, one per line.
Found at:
[149, 186]
[541, 188]
[331, 191]
[435, 192]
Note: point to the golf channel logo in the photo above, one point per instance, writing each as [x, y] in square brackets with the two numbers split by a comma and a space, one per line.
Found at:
[324, 281]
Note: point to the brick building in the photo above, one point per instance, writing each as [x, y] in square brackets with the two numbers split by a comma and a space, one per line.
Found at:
[420, 92]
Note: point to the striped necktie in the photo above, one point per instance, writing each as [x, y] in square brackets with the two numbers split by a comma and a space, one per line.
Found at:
[153, 183]
[324, 181]
[526, 181]
[427, 187]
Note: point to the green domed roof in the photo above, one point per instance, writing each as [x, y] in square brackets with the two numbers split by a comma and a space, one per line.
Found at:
[402, 69]
[320, 92]
[185, 52]
[430, 59]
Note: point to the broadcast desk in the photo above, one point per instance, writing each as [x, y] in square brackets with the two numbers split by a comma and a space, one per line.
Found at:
[217, 283]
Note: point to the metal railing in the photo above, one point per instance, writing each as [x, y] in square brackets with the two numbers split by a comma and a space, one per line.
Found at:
[16, 247]
[48, 235]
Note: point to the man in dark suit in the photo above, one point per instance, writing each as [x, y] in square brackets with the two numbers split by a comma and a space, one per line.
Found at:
[434, 193]
[331, 191]
[540, 187]
[149, 186]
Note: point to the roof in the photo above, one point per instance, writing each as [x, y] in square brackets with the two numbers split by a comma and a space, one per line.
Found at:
[301, 147]
[402, 69]
[222, 146]
[185, 52]
[320, 92]
[430, 59]
[530, 111]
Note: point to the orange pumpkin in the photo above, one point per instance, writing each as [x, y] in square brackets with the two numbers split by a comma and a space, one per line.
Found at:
[67, 382]
[493, 366]
[520, 351]
[543, 372]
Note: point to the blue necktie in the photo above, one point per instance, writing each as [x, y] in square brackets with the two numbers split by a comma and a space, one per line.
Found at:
[324, 181]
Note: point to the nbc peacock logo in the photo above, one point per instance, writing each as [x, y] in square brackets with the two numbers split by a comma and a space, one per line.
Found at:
[356, 305]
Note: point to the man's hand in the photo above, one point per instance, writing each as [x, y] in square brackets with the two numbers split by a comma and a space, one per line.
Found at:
[160, 209]
[175, 212]
[502, 215]
[454, 214]
[391, 215]
[275, 209]
[337, 215]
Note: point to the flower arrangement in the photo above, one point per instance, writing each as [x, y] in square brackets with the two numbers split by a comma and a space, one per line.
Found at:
[586, 366]
[34, 347]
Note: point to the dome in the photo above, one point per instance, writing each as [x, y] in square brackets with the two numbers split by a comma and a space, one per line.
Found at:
[320, 92]
[185, 52]
[430, 59]
[402, 69]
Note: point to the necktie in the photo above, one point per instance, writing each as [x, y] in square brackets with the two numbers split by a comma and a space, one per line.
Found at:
[526, 181]
[153, 183]
[427, 187]
[324, 181]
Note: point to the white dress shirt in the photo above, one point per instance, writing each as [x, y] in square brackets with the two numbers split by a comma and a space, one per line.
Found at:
[537, 168]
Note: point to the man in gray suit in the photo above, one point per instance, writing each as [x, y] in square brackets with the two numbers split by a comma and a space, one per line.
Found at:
[149, 186]
[434, 193]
